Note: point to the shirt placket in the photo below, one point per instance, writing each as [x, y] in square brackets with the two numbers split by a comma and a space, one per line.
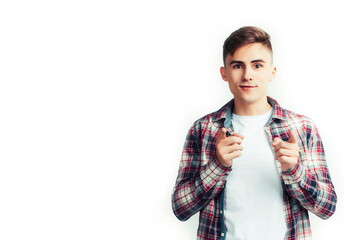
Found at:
[223, 226]
[269, 131]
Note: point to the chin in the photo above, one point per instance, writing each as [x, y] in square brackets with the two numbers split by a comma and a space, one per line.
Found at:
[248, 99]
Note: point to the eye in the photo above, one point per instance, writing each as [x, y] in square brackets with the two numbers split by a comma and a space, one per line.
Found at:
[236, 66]
[258, 65]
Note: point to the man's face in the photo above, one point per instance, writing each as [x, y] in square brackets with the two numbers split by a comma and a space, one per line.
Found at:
[248, 73]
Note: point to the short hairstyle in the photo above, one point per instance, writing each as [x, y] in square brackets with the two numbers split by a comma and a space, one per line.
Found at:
[243, 36]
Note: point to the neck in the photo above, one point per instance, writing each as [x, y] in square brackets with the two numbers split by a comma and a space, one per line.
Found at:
[251, 109]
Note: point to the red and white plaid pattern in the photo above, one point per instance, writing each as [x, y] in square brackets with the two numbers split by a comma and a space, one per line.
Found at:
[201, 178]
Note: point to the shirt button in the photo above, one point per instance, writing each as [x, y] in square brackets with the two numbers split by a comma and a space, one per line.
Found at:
[222, 234]
[220, 211]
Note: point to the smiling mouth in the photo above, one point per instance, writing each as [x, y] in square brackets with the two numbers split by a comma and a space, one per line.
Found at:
[247, 87]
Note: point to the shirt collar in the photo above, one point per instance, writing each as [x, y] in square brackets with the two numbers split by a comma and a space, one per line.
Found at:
[226, 112]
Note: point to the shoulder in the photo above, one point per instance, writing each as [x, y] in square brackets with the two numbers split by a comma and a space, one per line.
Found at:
[304, 126]
[291, 118]
[212, 118]
[298, 119]
[211, 122]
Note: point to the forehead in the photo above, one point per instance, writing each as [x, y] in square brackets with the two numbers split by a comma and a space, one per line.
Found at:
[251, 52]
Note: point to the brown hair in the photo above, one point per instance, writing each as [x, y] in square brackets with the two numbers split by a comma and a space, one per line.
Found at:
[243, 36]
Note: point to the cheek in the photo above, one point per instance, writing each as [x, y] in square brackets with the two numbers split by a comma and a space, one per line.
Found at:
[265, 78]
[235, 76]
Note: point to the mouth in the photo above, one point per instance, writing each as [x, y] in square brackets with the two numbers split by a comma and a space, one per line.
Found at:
[247, 87]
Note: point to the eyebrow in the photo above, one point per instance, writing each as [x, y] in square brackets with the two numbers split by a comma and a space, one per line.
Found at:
[241, 62]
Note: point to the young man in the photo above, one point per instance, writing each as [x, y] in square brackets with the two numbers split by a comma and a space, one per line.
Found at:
[252, 169]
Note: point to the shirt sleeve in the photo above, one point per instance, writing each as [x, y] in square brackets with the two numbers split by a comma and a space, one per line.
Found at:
[197, 183]
[310, 182]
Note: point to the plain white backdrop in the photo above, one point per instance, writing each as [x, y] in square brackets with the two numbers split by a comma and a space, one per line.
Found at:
[96, 98]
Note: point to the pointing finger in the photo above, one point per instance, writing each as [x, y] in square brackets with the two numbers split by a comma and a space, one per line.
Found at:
[222, 134]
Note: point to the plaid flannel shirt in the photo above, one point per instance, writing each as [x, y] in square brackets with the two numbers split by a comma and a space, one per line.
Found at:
[201, 178]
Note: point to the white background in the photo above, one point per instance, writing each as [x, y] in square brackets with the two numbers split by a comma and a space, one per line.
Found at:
[96, 98]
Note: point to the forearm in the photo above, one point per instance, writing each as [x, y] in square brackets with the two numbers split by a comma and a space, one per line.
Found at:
[317, 196]
[191, 194]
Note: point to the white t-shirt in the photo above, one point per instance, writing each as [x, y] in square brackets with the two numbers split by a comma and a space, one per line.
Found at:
[253, 204]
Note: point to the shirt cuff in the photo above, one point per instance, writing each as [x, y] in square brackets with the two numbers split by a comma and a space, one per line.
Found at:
[213, 172]
[295, 175]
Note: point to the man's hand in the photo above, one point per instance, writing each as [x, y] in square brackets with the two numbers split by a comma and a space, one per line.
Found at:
[228, 148]
[287, 153]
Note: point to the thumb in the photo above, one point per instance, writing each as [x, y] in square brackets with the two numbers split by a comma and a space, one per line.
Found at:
[293, 137]
[276, 141]
[238, 135]
[222, 134]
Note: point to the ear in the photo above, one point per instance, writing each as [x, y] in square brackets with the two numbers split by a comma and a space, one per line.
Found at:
[223, 74]
[273, 73]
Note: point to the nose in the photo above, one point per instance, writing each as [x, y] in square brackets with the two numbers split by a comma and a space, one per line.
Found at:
[248, 74]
